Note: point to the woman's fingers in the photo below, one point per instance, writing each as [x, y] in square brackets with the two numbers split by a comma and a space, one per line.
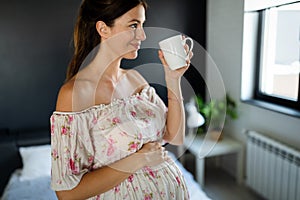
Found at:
[154, 153]
[162, 58]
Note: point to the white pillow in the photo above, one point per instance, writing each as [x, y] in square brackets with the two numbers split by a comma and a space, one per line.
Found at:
[36, 161]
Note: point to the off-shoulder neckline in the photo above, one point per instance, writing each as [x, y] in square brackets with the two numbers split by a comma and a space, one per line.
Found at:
[103, 106]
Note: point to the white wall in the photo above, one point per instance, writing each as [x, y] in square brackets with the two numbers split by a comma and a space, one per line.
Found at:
[224, 44]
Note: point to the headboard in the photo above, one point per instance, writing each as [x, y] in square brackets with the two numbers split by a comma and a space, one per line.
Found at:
[10, 141]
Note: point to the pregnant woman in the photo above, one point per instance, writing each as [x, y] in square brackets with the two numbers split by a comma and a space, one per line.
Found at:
[109, 125]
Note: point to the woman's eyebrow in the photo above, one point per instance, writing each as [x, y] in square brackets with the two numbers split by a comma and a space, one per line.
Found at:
[136, 20]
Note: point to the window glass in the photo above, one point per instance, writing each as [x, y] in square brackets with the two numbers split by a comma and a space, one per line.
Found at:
[280, 52]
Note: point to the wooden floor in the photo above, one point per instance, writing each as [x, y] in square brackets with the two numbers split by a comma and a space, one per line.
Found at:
[219, 185]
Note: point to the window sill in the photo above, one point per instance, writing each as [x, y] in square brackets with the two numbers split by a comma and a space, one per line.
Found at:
[273, 107]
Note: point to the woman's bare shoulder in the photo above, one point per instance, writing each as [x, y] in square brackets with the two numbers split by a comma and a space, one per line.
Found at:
[137, 78]
[64, 99]
[75, 95]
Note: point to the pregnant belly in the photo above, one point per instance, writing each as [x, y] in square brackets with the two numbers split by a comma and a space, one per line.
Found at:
[164, 181]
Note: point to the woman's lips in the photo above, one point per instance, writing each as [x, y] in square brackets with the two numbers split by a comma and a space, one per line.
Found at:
[136, 46]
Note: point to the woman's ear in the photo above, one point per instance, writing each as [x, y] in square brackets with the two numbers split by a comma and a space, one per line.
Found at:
[102, 29]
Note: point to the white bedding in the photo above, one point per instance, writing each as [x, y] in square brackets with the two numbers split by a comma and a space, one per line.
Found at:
[33, 189]
[39, 188]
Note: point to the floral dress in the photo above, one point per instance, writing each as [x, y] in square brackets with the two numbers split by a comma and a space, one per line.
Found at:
[100, 135]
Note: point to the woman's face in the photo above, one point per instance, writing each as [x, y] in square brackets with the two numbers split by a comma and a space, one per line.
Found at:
[127, 33]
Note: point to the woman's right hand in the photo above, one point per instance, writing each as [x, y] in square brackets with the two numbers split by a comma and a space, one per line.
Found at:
[153, 153]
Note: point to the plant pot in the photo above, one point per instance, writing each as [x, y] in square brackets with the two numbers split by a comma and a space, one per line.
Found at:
[216, 135]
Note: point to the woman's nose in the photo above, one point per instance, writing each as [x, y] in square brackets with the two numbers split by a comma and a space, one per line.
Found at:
[140, 34]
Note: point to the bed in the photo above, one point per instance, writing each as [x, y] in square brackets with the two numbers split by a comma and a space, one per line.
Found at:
[25, 166]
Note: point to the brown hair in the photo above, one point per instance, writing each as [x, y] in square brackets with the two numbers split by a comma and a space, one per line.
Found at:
[85, 36]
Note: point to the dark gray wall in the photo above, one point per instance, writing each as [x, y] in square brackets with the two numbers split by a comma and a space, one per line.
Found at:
[35, 38]
[35, 48]
[188, 17]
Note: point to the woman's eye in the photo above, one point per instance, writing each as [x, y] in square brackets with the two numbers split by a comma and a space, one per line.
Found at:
[134, 26]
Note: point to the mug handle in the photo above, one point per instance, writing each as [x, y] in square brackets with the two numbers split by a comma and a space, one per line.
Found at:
[191, 47]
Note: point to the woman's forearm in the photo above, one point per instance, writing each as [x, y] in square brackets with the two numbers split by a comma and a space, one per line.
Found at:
[103, 179]
[175, 129]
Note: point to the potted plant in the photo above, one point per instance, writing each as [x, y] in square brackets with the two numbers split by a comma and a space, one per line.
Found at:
[213, 112]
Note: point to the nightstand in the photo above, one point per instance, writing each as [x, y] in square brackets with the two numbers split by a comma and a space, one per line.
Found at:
[203, 147]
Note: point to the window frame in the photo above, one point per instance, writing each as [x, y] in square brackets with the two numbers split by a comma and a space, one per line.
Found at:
[258, 94]
[257, 98]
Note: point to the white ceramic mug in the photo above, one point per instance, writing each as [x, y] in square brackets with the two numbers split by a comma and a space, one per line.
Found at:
[174, 52]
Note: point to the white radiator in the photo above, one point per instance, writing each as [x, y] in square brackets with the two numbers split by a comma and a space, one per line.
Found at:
[273, 169]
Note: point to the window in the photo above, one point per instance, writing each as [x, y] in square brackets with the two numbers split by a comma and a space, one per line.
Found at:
[276, 79]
